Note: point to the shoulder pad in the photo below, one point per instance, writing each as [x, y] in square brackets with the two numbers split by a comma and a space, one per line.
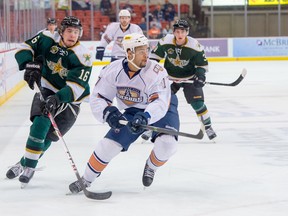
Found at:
[194, 44]
[168, 39]
[83, 55]
[55, 36]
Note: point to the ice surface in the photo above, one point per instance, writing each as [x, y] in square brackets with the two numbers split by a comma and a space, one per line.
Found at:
[245, 173]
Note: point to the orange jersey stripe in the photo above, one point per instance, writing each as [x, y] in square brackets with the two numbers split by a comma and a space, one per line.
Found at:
[96, 163]
[155, 160]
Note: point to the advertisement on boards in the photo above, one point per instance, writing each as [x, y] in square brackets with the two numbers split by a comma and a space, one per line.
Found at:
[215, 47]
[266, 2]
[274, 46]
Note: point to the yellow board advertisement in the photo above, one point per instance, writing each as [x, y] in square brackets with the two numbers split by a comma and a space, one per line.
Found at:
[267, 2]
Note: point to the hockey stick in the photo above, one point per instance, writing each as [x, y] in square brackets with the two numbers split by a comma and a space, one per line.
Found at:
[168, 131]
[88, 194]
[235, 83]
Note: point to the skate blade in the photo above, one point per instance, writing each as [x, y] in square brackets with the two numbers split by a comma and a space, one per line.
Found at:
[74, 194]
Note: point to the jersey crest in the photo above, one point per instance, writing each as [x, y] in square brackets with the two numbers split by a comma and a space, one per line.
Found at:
[178, 62]
[119, 40]
[56, 49]
[57, 68]
[129, 96]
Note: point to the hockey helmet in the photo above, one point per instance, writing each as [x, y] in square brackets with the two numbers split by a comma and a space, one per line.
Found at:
[183, 24]
[125, 13]
[71, 21]
[133, 40]
[51, 21]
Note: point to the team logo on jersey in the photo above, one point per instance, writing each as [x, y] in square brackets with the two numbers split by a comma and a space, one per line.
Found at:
[178, 51]
[128, 95]
[118, 41]
[87, 58]
[157, 68]
[170, 51]
[57, 68]
[178, 62]
[54, 49]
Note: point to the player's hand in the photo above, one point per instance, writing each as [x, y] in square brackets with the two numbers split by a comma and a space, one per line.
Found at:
[100, 53]
[140, 118]
[199, 81]
[50, 105]
[112, 115]
[32, 73]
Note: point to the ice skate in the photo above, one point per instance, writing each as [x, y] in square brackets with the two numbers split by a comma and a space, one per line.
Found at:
[14, 171]
[75, 187]
[148, 176]
[210, 133]
[26, 176]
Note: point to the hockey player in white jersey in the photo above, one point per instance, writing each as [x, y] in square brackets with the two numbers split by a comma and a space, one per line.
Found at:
[142, 91]
[115, 32]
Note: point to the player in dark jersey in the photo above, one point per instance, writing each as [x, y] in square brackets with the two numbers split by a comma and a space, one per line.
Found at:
[62, 67]
[185, 60]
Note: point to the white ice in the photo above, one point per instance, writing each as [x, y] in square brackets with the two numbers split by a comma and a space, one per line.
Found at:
[245, 173]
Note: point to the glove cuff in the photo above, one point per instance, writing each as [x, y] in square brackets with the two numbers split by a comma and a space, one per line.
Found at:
[108, 110]
[33, 66]
[146, 115]
[100, 48]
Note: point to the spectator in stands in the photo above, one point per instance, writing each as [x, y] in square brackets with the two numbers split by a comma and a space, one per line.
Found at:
[154, 32]
[80, 5]
[169, 13]
[156, 23]
[158, 13]
[167, 30]
[167, 5]
[150, 15]
[105, 7]
[143, 24]
[128, 7]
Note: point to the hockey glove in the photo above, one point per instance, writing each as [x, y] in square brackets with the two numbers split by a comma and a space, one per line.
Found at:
[50, 105]
[140, 118]
[32, 73]
[112, 115]
[199, 81]
[100, 53]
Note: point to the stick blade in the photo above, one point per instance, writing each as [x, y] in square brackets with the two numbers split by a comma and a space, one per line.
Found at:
[244, 72]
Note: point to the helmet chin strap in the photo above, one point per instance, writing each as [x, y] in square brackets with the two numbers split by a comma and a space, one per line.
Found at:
[131, 61]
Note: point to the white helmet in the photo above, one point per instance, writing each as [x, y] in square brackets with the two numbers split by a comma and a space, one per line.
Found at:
[133, 40]
[124, 13]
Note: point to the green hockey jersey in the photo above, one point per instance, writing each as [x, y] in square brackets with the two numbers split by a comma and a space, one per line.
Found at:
[181, 62]
[65, 71]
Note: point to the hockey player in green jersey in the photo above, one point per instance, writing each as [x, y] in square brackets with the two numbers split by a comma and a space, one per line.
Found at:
[185, 60]
[62, 68]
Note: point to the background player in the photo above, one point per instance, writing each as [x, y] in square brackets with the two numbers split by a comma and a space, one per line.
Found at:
[115, 32]
[185, 60]
[51, 26]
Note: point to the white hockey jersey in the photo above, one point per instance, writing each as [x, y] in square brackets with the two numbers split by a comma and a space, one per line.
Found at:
[148, 90]
[115, 33]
